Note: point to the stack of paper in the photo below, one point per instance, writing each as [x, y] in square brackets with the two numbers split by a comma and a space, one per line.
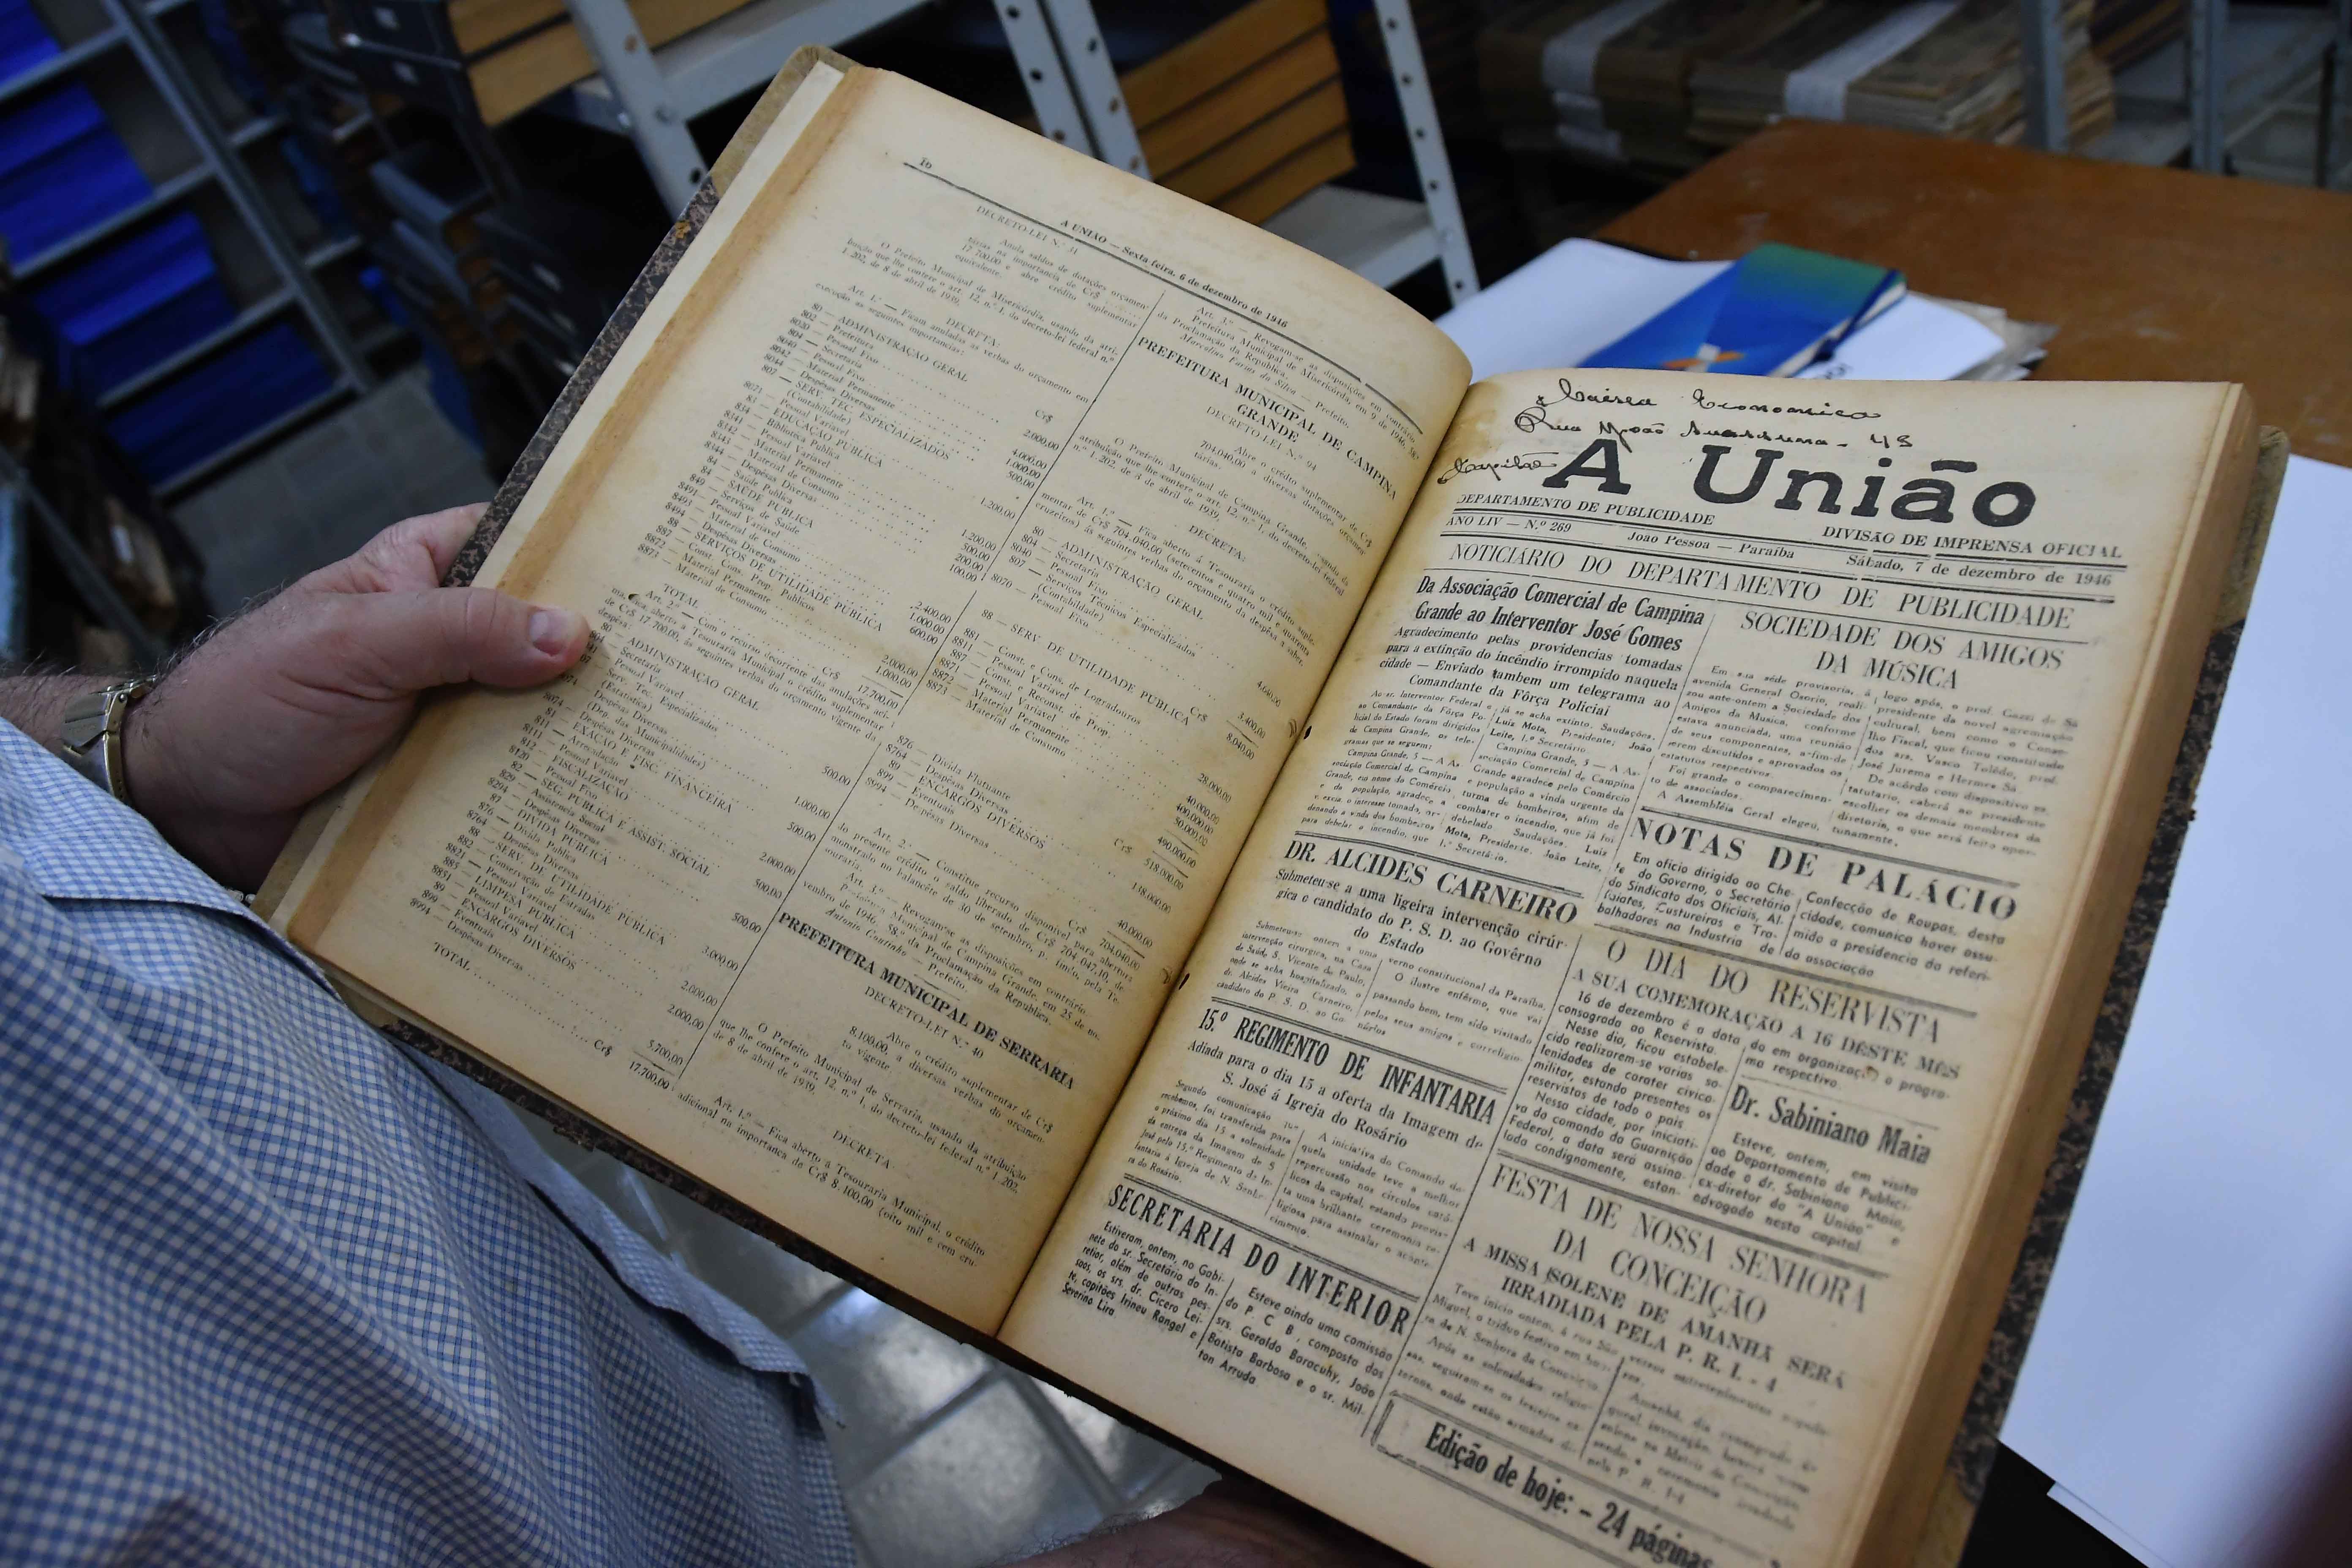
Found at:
[1579, 298]
[1662, 84]
[2125, 31]
[1610, 80]
[1966, 78]
[1947, 67]
[1937, 340]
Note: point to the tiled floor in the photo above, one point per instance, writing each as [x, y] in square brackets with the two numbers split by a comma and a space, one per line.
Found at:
[322, 494]
[949, 1459]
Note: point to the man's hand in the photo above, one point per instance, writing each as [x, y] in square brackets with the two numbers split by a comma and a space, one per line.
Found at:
[284, 703]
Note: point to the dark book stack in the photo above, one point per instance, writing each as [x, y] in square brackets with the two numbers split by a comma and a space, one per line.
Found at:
[1619, 97]
[488, 61]
[1660, 92]
[1236, 103]
[1963, 77]
[2125, 32]
[565, 266]
[93, 571]
[434, 194]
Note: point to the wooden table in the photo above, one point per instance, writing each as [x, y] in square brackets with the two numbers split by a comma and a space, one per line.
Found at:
[2150, 274]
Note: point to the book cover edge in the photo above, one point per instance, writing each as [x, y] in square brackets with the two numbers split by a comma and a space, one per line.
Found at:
[1975, 1445]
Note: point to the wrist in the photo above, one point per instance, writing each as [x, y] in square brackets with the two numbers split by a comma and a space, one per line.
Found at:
[90, 734]
[156, 783]
[37, 703]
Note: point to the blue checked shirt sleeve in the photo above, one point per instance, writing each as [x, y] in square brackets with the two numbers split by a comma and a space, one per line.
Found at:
[270, 1294]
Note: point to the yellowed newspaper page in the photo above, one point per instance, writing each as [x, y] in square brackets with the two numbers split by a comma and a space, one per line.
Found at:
[966, 530]
[1559, 1145]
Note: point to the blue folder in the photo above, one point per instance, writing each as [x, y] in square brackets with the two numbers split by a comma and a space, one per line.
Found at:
[1774, 312]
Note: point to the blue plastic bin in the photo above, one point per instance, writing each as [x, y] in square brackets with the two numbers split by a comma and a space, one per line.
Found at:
[25, 40]
[219, 401]
[138, 301]
[62, 169]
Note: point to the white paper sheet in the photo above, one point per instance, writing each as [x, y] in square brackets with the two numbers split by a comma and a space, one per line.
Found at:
[1566, 305]
[2195, 1349]
[1915, 340]
[1580, 295]
[2148, 1556]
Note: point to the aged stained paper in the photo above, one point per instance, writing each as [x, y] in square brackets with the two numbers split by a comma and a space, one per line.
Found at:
[966, 528]
[1572, 1118]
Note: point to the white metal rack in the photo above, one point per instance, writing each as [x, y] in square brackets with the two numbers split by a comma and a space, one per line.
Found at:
[649, 95]
[1058, 45]
[2235, 72]
[1384, 239]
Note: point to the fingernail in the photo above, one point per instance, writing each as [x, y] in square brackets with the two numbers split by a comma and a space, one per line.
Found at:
[551, 630]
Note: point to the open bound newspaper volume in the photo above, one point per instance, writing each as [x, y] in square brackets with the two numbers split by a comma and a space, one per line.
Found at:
[1504, 957]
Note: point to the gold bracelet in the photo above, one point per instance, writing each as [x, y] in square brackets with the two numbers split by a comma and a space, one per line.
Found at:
[91, 733]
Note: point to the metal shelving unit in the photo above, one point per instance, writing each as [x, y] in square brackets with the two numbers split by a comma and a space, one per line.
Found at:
[1386, 240]
[249, 445]
[163, 370]
[73, 56]
[2210, 91]
[222, 154]
[1058, 46]
[649, 96]
[177, 188]
[291, 282]
[87, 578]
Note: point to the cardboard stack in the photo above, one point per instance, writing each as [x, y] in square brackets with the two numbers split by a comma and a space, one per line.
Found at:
[1247, 114]
[1661, 85]
[1610, 80]
[2125, 31]
[493, 57]
[1938, 68]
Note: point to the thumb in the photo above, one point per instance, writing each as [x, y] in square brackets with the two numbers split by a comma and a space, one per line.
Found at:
[407, 641]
